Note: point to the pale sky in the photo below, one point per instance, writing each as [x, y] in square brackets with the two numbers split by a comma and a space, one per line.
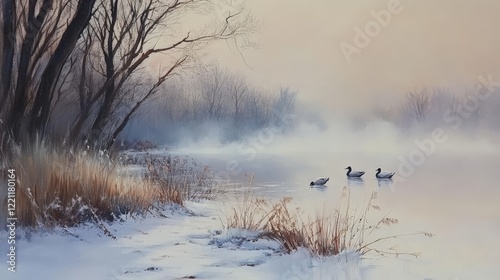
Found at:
[428, 43]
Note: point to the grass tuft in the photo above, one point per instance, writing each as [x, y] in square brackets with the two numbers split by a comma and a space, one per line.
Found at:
[180, 179]
[327, 234]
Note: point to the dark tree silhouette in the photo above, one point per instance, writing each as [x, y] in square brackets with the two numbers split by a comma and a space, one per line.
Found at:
[97, 47]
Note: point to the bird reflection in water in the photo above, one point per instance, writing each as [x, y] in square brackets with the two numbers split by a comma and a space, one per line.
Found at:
[384, 182]
[355, 181]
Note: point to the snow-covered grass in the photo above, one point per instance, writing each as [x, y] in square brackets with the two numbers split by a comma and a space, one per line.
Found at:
[179, 244]
[61, 187]
[328, 234]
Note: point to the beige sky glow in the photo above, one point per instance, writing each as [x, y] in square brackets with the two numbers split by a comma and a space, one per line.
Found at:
[448, 42]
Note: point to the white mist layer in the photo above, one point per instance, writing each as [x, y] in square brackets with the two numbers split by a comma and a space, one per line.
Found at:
[376, 137]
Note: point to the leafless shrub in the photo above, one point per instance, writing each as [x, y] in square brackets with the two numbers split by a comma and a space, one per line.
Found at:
[181, 179]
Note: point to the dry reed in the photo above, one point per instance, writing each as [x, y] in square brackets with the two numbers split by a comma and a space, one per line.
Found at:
[180, 179]
[68, 188]
[327, 234]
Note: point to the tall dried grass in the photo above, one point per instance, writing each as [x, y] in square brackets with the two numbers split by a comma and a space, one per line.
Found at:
[56, 187]
[251, 213]
[327, 234]
[61, 187]
[180, 179]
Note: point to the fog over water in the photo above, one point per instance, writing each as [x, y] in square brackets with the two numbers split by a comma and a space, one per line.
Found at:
[354, 113]
[450, 188]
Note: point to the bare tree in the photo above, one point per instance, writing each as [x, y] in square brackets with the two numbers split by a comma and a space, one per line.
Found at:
[187, 107]
[39, 115]
[7, 54]
[214, 90]
[38, 37]
[125, 31]
[123, 122]
[47, 45]
[285, 101]
[418, 104]
[258, 108]
[85, 85]
[453, 104]
[475, 113]
[237, 91]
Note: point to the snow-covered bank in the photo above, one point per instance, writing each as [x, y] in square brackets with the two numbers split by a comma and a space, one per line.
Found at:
[180, 245]
[184, 244]
[170, 247]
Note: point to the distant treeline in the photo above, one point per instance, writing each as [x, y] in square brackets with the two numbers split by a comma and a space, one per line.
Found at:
[215, 103]
[469, 109]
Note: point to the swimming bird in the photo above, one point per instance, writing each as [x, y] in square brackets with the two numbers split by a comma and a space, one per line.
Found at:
[351, 173]
[383, 175]
[319, 182]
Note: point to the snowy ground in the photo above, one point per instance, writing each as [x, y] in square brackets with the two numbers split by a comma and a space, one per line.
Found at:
[181, 245]
[194, 245]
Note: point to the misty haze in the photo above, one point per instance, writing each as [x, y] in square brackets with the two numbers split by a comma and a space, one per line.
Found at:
[242, 140]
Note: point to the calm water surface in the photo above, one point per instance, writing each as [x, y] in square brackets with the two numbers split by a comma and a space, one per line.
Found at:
[455, 196]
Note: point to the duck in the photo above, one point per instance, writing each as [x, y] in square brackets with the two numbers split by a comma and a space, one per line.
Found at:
[383, 175]
[319, 182]
[351, 173]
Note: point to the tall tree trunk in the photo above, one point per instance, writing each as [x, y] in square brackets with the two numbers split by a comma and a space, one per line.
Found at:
[109, 57]
[84, 97]
[123, 124]
[9, 41]
[41, 107]
[32, 31]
